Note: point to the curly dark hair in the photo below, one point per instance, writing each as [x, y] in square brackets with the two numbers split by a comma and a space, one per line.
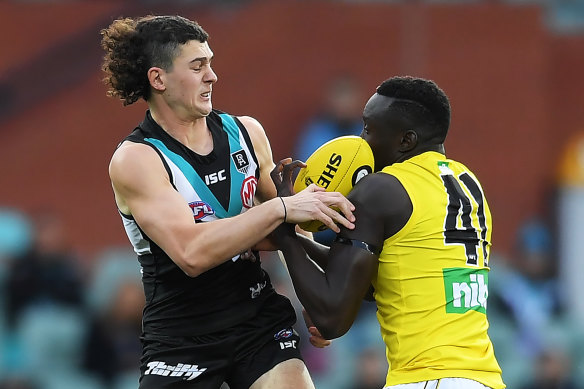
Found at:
[422, 101]
[132, 46]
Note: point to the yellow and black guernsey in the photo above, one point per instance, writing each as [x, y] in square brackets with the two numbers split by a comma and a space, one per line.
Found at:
[217, 185]
[431, 288]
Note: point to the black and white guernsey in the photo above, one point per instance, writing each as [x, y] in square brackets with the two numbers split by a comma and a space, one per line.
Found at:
[215, 186]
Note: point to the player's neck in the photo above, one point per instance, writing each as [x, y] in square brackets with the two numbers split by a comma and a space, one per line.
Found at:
[438, 148]
[190, 131]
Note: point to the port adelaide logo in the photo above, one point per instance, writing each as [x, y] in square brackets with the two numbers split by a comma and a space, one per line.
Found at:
[240, 160]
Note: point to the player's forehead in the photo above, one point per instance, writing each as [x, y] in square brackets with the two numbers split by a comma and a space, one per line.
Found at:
[376, 107]
[196, 51]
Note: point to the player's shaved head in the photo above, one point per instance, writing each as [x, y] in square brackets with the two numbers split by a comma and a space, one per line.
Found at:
[421, 104]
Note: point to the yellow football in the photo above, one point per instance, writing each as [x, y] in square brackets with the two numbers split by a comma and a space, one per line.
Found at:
[336, 166]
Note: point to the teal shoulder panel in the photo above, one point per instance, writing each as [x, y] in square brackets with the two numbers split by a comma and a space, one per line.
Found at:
[237, 177]
[192, 176]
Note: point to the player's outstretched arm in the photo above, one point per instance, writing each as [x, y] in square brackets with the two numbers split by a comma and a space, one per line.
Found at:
[282, 178]
[314, 203]
[143, 190]
[331, 298]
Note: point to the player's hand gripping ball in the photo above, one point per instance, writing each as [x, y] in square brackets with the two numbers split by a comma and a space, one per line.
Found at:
[336, 166]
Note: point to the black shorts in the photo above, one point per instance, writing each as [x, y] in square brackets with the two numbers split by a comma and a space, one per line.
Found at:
[238, 355]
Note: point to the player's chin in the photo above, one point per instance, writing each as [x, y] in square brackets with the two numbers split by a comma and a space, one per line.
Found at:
[205, 111]
[204, 108]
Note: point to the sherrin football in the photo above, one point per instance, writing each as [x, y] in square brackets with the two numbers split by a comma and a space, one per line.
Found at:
[336, 166]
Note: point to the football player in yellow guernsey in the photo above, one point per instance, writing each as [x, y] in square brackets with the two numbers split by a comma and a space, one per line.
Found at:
[421, 239]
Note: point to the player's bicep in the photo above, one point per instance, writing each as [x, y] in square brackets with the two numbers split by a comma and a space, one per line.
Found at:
[142, 184]
[368, 218]
[349, 271]
[382, 208]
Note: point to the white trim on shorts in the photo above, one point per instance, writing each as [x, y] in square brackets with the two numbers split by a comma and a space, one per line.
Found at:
[442, 383]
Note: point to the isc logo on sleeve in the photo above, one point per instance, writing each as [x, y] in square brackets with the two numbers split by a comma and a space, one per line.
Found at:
[466, 289]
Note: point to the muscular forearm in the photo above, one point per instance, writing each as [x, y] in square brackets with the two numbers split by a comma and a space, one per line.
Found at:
[316, 251]
[314, 290]
[221, 240]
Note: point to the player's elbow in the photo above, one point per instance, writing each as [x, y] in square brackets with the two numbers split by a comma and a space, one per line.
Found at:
[192, 270]
[332, 327]
[192, 266]
[196, 258]
[332, 322]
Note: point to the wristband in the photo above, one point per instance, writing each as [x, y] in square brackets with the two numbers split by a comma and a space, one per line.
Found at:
[284, 205]
[358, 243]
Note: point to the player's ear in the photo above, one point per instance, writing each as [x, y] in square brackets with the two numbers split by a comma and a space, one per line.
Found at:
[156, 79]
[409, 140]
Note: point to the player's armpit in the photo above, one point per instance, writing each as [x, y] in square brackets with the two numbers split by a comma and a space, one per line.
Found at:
[369, 296]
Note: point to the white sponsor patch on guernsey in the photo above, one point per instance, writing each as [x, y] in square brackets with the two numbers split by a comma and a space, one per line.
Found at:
[188, 371]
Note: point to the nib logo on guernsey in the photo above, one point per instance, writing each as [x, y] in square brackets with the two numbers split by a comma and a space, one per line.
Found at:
[189, 372]
[466, 290]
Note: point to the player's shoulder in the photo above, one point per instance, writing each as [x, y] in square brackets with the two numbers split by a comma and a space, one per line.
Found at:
[251, 124]
[129, 149]
[462, 167]
[375, 183]
[256, 132]
[132, 157]
[380, 191]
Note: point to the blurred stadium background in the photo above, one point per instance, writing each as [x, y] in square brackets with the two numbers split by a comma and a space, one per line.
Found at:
[513, 70]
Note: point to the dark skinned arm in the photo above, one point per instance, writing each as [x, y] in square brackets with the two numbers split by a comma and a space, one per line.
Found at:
[282, 178]
[316, 251]
[332, 299]
[319, 254]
